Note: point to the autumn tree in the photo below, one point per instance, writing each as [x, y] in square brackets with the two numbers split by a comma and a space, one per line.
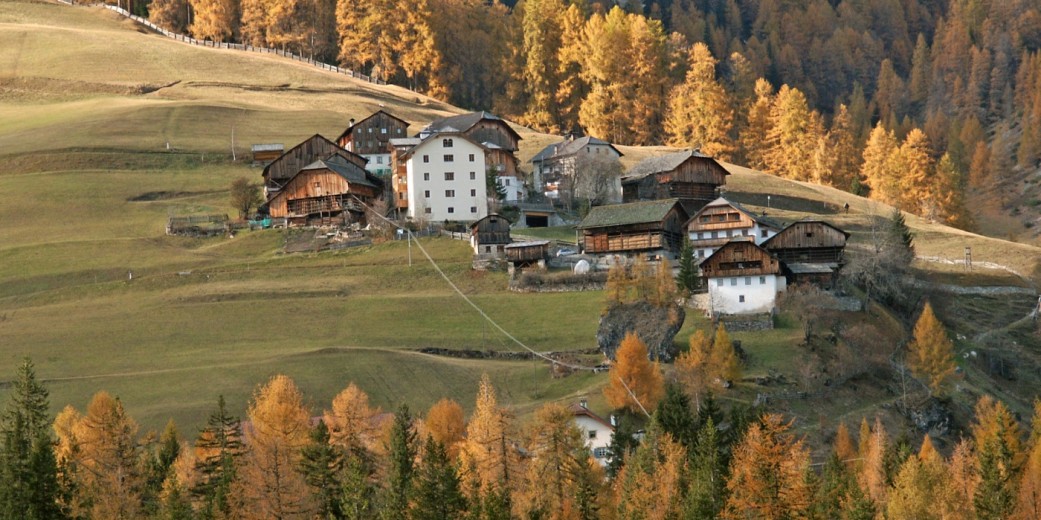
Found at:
[931, 354]
[998, 450]
[700, 113]
[485, 455]
[351, 421]
[171, 15]
[158, 465]
[753, 135]
[542, 41]
[558, 461]
[634, 382]
[572, 87]
[872, 450]
[271, 484]
[1028, 497]
[692, 366]
[792, 135]
[878, 170]
[917, 169]
[218, 455]
[321, 463]
[919, 485]
[215, 20]
[445, 424]
[650, 485]
[245, 196]
[768, 474]
[723, 361]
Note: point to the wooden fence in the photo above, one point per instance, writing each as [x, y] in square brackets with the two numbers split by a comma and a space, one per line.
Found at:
[236, 46]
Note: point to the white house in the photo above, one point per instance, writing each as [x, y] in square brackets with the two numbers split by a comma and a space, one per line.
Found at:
[513, 187]
[742, 278]
[596, 432]
[446, 179]
[721, 221]
[558, 163]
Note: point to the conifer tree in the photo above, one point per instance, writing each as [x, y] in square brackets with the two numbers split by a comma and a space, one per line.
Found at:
[215, 20]
[634, 382]
[878, 166]
[676, 417]
[793, 133]
[998, 458]
[768, 474]
[572, 88]
[700, 113]
[322, 464]
[444, 422]
[844, 448]
[171, 15]
[1028, 497]
[158, 467]
[557, 463]
[219, 451]
[692, 369]
[403, 451]
[753, 136]
[687, 280]
[650, 485]
[665, 284]
[351, 420]
[919, 485]
[872, 476]
[918, 182]
[708, 473]
[438, 491]
[622, 443]
[485, 453]
[724, 362]
[358, 492]
[542, 41]
[931, 354]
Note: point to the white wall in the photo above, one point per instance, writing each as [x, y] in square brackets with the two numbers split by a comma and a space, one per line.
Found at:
[378, 163]
[602, 437]
[427, 185]
[704, 252]
[513, 187]
[759, 292]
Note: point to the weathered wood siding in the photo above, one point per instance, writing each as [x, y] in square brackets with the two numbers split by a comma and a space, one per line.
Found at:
[808, 242]
[667, 234]
[531, 253]
[371, 135]
[316, 184]
[492, 131]
[740, 259]
[307, 152]
[493, 229]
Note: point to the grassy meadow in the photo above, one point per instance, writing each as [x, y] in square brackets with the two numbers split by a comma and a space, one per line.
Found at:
[106, 130]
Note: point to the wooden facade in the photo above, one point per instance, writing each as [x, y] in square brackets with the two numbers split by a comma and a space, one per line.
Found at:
[328, 190]
[739, 259]
[721, 221]
[314, 148]
[490, 131]
[399, 169]
[372, 135]
[490, 234]
[634, 228]
[527, 253]
[264, 154]
[690, 176]
[809, 241]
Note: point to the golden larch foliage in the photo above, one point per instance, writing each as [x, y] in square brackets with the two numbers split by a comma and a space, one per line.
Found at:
[877, 170]
[994, 421]
[844, 448]
[271, 485]
[634, 382]
[700, 110]
[215, 20]
[963, 480]
[557, 462]
[445, 423]
[1028, 498]
[484, 455]
[352, 422]
[691, 367]
[768, 474]
[931, 354]
[872, 476]
[724, 362]
[650, 484]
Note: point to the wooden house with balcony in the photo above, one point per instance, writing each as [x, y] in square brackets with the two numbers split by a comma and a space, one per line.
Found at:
[499, 139]
[811, 250]
[743, 278]
[286, 166]
[647, 227]
[371, 137]
[329, 191]
[690, 176]
[721, 221]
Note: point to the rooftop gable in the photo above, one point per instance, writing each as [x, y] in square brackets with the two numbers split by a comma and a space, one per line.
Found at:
[370, 116]
[666, 163]
[464, 122]
[722, 201]
[626, 214]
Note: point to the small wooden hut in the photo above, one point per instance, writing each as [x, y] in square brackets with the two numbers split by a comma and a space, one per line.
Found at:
[638, 227]
[526, 254]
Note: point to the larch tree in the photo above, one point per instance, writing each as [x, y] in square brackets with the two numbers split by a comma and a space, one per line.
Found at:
[254, 22]
[1028, 497]
[919, 485]
[844, 148]
[792, 136]
[271, 484]
[768, 474]
[700, 113]
[542, 41]
[558, 457]
[171, 15]
[877, 169]
[604, 110]
[692, 367]
[572, 87]
[650, 485]
[215, 20]
[634, 382]
[445, 424]
[918, 180]
[996, 435]
[931, 353]
[352, 422]
[485, 454]
[757, 126]
[844, 448]
[872, 475]
[647, 80]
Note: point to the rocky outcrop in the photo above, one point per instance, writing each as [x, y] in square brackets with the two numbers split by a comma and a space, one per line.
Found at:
[655, 326]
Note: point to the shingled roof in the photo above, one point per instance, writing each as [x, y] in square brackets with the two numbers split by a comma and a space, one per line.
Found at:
[663, 163]
[762, 219]
[628, 214]
[464, 122]
[569, 147]
[344, 168]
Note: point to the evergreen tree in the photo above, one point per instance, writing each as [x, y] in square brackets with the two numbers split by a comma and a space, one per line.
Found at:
[998, 452]
[358, 491]
[322, 464]
[931, 354]
[676, 418]
[708, 473]
[220, 449]
[402, 466]
[438, 492]
[650, 485]
[687, 280]
[622, 444]
[158, 467]
[899, 241]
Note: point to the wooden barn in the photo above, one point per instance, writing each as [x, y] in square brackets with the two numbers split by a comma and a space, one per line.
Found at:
[490, 131]
[372, 135]
[811, 250]
[637, 227]
[743, 278]
[525, 254]
[490, 234]
[287, 165]
[324, 192]
[690, 176]
[264, 154]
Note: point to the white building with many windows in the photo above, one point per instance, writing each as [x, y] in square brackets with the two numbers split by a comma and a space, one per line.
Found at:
[446, 179]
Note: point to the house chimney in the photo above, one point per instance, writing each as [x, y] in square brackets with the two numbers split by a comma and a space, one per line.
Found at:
[583, 403]
[351, 123]
[614, 421]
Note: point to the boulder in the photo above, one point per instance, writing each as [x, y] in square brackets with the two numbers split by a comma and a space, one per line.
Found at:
[655, 326]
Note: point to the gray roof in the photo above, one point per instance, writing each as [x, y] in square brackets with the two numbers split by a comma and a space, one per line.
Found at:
[722, 201]
[569, 147]
[404, 141]
[464, 122]
[274, 147]
[530, 243]
[626, 214]
[805, 268]
[344, 168]
[662, 163]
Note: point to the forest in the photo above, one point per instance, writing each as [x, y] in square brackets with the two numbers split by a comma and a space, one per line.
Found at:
[689, 459]
[917, 103]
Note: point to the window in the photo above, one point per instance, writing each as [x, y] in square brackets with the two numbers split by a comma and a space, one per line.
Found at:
[715, 234]
[449, 176]
[705, 235]
[741, 298]
[426, 176]
[383, 130]
[471, 157]
[719, 283]
[487, 249]
[600, 453]
[733, 232]
[473, 193]
[473, 209]
[473, 176]
[592, 434]
[446, 143]
[449, 193]
[426, 158]
[401, 196]
[506, 182]
[379, 159]
[370, 129]
[708, 253]
[426, 193]
[721, 218]
[426, 210]
[399, 130]
[762, 280]
[733, 281]
[748, 280]
[706, 218]
[809, 234]
[699, 253]
[451, 210]
[764, 233]
[449, 157]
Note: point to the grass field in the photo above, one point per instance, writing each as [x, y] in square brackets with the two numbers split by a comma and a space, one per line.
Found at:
[105, 131]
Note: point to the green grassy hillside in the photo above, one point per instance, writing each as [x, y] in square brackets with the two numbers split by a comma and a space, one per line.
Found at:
[88, 104]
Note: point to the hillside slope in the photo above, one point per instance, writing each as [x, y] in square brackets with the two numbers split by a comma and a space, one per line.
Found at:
[88, 106]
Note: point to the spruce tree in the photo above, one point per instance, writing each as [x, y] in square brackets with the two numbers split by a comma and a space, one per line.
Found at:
[438, 492]
[322, 463]
[687, 280]
[220, 449]
[402, 466]
[675, 416]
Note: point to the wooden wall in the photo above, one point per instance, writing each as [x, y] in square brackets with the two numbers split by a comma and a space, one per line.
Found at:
[314, 184]
[492, 229]
[740, 259]
[491, 131]
[368, 138]
[806, 235]
[307, 152]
